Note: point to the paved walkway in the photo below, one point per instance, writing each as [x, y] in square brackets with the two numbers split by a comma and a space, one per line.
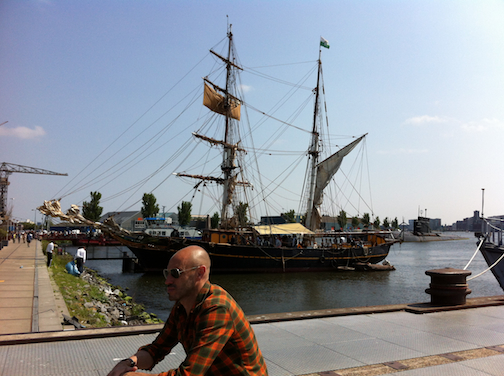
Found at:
[412, 340]
[28, 300]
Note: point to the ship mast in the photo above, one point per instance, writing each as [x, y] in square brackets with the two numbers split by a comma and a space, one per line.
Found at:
[228, 164]
[313, 151]
[224, 102]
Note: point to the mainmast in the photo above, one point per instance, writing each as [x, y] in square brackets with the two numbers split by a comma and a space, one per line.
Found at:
[321, 172]
[313, 151]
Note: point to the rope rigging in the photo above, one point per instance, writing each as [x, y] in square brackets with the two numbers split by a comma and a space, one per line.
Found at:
[482, 241]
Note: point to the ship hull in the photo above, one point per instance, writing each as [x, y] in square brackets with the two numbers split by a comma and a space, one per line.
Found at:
[491, 253]
[154, 253]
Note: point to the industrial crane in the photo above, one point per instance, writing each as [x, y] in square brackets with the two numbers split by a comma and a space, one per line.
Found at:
[8, 168]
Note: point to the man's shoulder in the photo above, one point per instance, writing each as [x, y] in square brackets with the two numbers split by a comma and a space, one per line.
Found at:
[218, 296]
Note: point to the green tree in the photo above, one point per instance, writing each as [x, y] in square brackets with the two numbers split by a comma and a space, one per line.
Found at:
[376, 223]
[290, 216]
[184, 213]
[3, 233]
[149, 206]
[386, 223]
[214, 221]
[355, 222]
[241, 213]
[342, 219]
[92, 210]
[28, 225]
[366, 220]
[395, 224]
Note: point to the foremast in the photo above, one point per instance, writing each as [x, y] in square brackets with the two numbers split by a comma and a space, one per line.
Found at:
[224, 102]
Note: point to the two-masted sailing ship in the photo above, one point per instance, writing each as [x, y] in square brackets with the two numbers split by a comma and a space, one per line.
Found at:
[237, 247]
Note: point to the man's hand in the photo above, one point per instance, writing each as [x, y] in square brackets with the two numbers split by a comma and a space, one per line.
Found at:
[121, 368]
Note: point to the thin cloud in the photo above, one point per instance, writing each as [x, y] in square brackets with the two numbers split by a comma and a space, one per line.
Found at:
[425, 119]
[246, 88]
[22, 132]
[482, 125]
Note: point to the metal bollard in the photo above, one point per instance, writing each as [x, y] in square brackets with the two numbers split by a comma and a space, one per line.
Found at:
[448, 286]
[128, 264]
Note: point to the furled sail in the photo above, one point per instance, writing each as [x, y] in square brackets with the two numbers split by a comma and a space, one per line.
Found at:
[217, 103]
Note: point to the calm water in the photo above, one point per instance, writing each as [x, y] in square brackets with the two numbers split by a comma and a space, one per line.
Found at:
[276, 293]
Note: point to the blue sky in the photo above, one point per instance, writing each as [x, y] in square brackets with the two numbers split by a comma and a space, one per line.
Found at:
[424, 78]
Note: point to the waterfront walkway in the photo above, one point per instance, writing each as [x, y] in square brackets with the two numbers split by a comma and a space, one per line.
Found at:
[411, 340]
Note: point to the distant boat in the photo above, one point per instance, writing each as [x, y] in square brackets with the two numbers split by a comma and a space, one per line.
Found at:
[423, 233]
[160, 227]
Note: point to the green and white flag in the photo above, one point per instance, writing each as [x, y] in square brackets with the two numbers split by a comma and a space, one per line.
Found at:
[324, 42]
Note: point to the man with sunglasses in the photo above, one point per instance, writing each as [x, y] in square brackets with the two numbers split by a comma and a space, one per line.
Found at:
[206, 320]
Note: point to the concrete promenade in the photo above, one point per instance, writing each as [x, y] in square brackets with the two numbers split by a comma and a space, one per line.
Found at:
[28, 300]
[411, 340]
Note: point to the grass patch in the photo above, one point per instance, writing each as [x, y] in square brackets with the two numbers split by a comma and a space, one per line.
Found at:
[77, 292]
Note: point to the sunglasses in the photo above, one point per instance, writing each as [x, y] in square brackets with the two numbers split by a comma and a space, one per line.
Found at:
[175, 273]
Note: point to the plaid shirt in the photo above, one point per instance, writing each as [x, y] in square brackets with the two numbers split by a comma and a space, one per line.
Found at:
[216, 336]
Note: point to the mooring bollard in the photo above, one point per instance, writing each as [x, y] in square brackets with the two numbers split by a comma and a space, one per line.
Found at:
[128, 264]
[448, 286]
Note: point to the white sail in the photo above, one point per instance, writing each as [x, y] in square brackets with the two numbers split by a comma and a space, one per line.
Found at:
[325, 171]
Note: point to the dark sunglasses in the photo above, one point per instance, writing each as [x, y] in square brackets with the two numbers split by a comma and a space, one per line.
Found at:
[175, 273]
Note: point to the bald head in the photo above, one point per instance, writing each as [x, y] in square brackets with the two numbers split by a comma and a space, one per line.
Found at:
[192, 256]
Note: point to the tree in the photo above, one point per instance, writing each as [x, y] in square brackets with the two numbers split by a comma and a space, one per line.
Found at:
[28, 226]
[386, 223]
[214, 221]
[395, 224]
[355, 222]
[92, 210]
[376, 223]
[342, 219]
[366, 220]
[241, 213]
[290, 216]
[184, 213]
[149, 206]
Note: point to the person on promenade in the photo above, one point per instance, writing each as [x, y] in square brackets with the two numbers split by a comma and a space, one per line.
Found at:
[29, 238]
[216, 336]
[49, 252]
[80, 258]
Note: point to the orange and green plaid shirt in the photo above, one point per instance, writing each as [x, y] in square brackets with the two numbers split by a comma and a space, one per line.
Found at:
[216, 336]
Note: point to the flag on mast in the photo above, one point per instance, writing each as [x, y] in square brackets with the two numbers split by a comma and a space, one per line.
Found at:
[324, 42]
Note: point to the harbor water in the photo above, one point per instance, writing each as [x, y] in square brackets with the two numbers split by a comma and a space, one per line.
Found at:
[277, 293]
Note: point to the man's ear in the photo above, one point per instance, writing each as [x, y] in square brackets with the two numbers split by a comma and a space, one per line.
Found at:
[201, 271]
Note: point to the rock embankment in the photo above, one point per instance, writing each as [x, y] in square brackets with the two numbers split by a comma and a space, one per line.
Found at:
[111, 303]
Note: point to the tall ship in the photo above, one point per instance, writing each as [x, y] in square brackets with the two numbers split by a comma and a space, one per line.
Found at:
[237, 246]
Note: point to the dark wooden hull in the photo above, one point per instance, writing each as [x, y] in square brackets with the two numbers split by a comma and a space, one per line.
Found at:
[153, 254]
[491, 253]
